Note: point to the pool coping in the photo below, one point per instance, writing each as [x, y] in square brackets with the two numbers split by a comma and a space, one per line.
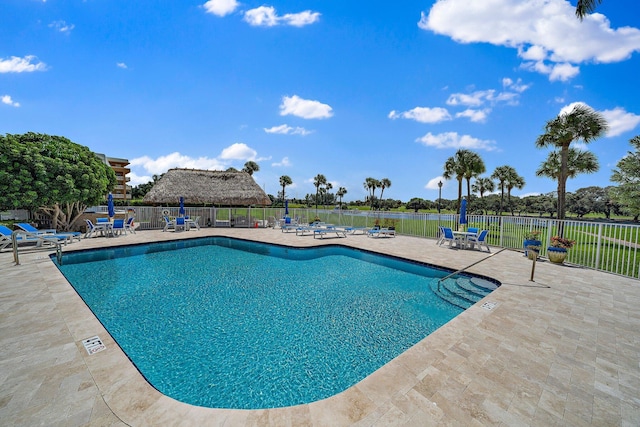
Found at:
[411, 389]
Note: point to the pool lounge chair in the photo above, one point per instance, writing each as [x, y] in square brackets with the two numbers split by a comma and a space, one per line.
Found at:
[68, 235]
[37, 240]
[382, 232]
[322, 232]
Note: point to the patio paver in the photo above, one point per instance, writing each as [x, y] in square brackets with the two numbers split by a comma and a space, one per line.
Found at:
[563, 350]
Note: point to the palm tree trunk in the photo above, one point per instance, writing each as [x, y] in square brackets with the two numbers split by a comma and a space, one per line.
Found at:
[562, 181]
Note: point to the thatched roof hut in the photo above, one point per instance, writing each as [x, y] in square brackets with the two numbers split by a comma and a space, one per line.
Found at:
[210, 187]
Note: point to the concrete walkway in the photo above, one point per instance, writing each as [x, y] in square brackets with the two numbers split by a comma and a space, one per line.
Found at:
[563, 350]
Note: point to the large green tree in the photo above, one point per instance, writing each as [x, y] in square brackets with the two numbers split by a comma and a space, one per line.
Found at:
[580, 124]
[53, 174]
[627, 175]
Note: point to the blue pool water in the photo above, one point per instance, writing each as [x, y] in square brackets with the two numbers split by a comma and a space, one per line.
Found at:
[225, 323]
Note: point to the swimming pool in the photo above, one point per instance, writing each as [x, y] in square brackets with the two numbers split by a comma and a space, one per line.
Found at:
[226, 323]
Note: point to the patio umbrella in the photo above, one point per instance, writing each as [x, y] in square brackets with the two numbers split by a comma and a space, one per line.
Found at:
[110, 207]
[181, 211]
[463, 212]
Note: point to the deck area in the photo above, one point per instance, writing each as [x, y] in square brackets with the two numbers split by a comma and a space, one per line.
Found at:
[563, 350]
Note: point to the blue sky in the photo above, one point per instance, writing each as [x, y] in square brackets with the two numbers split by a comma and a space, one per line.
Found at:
[347, 89]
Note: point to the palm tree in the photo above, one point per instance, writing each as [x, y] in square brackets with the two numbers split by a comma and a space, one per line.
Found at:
[474, 166]
[581, 124]
[578, 161]
[502, 174]
[483, 185]
[284, 181]
[250, 167]
[340, 193]
[371, 184]
[459, 166]
[513, 181]
[585, 7]
[318, 181]
[384, 183]
[328, 186]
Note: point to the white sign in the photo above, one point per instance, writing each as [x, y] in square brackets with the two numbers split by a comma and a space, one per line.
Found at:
[93, 345]
[489, 305]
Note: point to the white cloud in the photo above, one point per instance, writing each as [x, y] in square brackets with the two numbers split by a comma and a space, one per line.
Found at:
[21, 65]
[266, 16]
[6, 99]
[307, 109]
[517, 86]
[480, 97]
[62, 26]
[282, 163]
[433, 183]
[175, 160]
[476, 116]
[620, 121]
[423, 114]
[220, 7]
[136, 179]
[545, 33]
[121, 65]
[238, 151]
[287, 130]
[453, 140]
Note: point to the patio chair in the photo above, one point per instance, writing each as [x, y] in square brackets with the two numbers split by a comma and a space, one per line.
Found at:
[118, 227]
[271, 222]
[192, 222]
[180, 224]
[167, 223]
[472, 230]
[68, 235]
[128, 225]
[95, 229]
[480, 240]
[448, 236]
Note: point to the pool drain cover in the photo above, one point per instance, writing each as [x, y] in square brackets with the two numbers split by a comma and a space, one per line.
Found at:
[93, 345]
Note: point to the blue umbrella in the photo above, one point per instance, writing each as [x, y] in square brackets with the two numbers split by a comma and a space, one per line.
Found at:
[110, 207]
[181, 211]
[463, 212]
[286, 207]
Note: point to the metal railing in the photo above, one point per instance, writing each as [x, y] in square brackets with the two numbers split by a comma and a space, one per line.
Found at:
[606, 246]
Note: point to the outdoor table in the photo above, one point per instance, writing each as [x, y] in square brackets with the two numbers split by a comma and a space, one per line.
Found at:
[464, 237]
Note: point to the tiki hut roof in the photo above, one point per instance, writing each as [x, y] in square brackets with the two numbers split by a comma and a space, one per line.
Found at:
[210, 187]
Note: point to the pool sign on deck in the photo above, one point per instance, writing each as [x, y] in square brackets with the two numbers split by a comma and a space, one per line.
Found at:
[93, 345]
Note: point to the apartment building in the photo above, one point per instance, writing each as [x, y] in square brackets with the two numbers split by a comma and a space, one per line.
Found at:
[122, 190]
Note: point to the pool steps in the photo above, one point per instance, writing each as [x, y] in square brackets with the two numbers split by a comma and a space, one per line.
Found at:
[462, 292]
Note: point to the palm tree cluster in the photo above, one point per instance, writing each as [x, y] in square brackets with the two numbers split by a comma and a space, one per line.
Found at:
[371, 184]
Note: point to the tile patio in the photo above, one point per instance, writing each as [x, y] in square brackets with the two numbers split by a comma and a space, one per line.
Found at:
[563, 350]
